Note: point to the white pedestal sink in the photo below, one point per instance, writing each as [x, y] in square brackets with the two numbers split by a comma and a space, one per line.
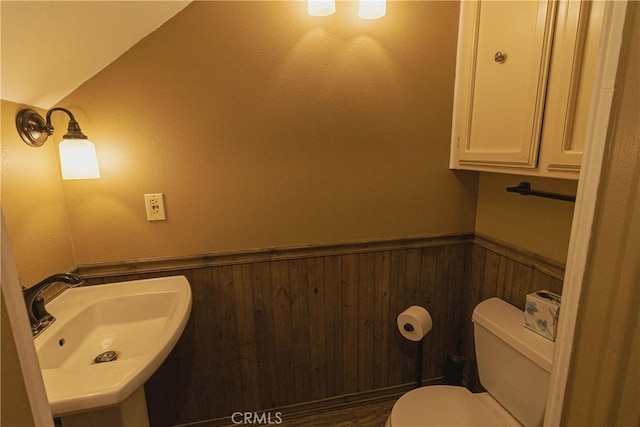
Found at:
[139, 320]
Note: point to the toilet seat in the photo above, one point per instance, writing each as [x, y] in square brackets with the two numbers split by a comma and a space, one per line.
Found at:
[448, 406]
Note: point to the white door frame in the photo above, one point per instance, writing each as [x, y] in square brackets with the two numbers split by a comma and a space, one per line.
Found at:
[17, 314]
[581, 229]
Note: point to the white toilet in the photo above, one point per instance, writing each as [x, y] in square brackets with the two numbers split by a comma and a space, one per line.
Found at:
[513, 364]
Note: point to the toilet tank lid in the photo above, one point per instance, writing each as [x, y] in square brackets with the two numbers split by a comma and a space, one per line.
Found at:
[507, 322]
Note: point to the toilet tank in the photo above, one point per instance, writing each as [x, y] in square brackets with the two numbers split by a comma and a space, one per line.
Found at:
[514, 363]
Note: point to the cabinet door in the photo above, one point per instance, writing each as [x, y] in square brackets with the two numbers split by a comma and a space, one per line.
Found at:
[499, 101]
[573, 68]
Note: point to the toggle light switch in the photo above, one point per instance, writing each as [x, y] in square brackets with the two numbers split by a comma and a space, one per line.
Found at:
[155, 207]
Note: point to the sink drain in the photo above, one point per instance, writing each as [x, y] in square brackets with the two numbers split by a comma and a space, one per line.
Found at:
[107, 356]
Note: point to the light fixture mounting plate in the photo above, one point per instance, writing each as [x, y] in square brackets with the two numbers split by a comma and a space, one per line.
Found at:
[31, 127]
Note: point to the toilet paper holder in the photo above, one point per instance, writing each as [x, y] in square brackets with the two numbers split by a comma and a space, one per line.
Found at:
[419, 360]
[414, 324]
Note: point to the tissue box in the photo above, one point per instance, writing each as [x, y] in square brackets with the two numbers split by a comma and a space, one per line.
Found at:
[541, 313]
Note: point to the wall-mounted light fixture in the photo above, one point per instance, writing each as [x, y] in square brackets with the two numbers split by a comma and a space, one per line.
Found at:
[78, 157]
[367, 9]
[372, 9]
[321, 7]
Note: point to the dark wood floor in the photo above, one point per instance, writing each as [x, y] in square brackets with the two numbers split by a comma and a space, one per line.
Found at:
[369, 415]
[372, 414]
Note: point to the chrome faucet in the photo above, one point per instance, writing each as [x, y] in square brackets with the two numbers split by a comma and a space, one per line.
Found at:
[38, 315]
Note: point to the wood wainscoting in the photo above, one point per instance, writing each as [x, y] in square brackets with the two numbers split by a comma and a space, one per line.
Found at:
[300, 328]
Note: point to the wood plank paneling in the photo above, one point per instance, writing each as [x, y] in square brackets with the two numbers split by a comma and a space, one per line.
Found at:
[306, 325]
[265, 334]
[366, 300]
[227, 346]
[349, 283]
[317, 353]
[283, 332]
[383, 319]
[298, 280]
[248, 356]
[333, 324]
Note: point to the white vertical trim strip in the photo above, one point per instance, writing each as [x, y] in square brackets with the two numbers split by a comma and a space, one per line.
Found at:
[22, 335]
[591, 171]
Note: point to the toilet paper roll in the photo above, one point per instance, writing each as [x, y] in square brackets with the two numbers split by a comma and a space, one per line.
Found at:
[414, 323]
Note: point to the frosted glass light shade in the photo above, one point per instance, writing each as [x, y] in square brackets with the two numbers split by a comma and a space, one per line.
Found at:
[78, 159]
[372, 9]
[321, 7]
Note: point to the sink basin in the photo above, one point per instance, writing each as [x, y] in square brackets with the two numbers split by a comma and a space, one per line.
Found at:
[139, 320]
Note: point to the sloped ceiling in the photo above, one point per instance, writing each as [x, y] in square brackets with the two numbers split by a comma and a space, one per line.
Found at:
[49, 48]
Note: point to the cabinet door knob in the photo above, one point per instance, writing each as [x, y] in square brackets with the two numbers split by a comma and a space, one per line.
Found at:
[500, 57]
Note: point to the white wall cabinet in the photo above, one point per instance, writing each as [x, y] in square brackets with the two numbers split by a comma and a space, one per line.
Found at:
[524, 77]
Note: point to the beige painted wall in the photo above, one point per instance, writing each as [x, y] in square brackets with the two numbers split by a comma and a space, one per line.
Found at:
[298, 130]
[33, 203]
[542, 226]
[266, 127]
